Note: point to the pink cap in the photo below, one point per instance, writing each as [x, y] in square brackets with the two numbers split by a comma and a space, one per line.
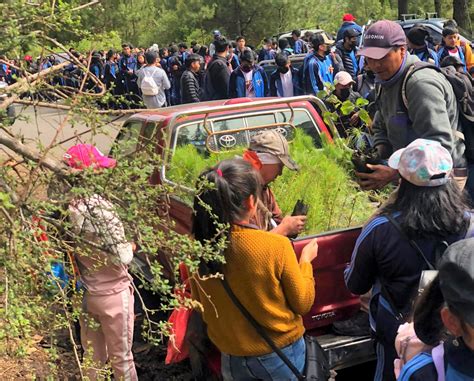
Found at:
[343, 78]
[83, 156]
[348, 17]
[425, 163]
[382, 37]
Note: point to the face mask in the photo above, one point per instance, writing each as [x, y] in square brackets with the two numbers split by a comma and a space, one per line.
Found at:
[246, 68]
[345, 94]
[326, 53]
[283, 70]
[353, 45]
[370, 74]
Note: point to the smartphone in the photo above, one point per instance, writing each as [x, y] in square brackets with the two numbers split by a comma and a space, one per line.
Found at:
[300, 209]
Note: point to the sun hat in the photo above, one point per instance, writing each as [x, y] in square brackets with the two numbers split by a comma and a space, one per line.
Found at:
[272, 142]
[425, 163]
[83, 156]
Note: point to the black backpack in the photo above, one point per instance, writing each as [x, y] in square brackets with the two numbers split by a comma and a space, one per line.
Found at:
[462, 85]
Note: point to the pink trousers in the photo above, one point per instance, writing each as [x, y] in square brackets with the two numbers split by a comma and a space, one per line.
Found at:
[107, 332]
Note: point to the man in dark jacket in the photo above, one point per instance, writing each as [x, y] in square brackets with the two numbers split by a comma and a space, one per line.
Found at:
[248, 80]
[190, 89]
[348, 21]
[285, 81]
[216, 81]
[347, 51]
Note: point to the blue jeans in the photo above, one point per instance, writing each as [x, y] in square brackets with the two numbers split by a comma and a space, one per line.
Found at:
[266, 367]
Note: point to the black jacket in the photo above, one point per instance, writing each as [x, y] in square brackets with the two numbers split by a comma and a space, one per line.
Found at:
[216, 81]
[190, 89]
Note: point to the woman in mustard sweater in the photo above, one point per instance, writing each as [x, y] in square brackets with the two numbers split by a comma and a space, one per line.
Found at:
[262, 271]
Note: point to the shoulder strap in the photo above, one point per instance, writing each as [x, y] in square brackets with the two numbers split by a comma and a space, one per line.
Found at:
[412, 243]
[261, 331]
[411, 70]
[437, 353]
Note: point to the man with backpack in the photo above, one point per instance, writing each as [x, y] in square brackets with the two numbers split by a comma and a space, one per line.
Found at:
[153, 82]
[449, 47]
[413, 101]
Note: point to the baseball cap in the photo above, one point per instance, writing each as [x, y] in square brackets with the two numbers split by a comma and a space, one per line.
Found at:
[343, 78]
[83, 156]
[424, 163]
[274, 143]
[321, 38]
[348, 17]
[380, 38]
[456, 277]
[351, 32]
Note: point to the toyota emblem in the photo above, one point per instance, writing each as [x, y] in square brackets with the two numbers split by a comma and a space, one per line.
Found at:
[227, 141]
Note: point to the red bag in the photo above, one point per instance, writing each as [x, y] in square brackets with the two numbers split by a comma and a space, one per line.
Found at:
[178, 349]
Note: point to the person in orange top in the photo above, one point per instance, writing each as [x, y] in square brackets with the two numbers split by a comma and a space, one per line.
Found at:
[263, 272]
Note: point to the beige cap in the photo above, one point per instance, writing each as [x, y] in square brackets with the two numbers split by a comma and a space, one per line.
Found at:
[343, 78]
[274, 143]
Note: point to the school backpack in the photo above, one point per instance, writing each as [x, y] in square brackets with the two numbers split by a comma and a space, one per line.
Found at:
[148, 85]
[462, 85]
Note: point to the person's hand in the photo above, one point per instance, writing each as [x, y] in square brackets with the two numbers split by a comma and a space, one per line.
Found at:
[134, 246]
[291, 225]
[310, 251]
[381, 176]
[354, 120]
[130, 72]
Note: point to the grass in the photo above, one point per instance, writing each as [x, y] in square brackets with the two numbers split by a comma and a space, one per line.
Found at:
[323, 183]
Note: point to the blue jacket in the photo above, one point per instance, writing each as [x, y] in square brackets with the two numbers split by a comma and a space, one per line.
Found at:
[127, 63]
[347, 25]
[425, 54]
[443, 52]
[317, 71]
[276, 85]
[265, 54]
[299, 46]
[458, 360]
[237, 87]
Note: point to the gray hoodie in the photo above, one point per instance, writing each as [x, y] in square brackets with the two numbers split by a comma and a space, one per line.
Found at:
[432, 111]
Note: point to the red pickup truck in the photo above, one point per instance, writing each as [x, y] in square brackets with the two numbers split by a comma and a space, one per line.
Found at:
[219, 124]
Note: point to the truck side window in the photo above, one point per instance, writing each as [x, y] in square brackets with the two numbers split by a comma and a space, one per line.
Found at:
[127, 139]
[302, 120]
[193, 134]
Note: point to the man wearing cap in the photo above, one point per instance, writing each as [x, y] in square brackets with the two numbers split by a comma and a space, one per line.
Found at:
[285, 81]
[321, 65]
[248, 80]
[269, 153]
[346, 49]
[343, 83]
[432, 111]
[348, 22]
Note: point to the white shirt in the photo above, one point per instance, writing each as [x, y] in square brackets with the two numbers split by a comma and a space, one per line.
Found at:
[455, 54]
[249, 90]
[286, 84]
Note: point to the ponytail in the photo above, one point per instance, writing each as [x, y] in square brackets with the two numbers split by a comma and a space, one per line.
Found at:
[221, 202]
[427, 314]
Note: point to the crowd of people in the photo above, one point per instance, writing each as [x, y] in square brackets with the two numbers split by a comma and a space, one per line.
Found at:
[416, 133]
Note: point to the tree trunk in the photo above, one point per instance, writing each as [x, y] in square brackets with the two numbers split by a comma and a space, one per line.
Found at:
[461, 14]
[438, 7]
[402, 8]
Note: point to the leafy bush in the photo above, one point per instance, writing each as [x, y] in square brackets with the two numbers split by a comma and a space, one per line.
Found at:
[323, 182]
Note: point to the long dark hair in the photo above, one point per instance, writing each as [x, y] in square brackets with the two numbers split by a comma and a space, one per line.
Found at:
[429, 211]
[222, 202]
[427, 318]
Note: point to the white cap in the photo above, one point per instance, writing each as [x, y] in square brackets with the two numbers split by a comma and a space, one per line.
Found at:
[344, 78]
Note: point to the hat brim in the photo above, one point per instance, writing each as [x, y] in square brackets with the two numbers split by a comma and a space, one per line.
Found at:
[289, 163]
[328, 41]
[374, 52]
[394, 160]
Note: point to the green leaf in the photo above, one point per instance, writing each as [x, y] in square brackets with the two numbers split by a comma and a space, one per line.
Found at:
[347, 107]
[361, 102]
[364, 116]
